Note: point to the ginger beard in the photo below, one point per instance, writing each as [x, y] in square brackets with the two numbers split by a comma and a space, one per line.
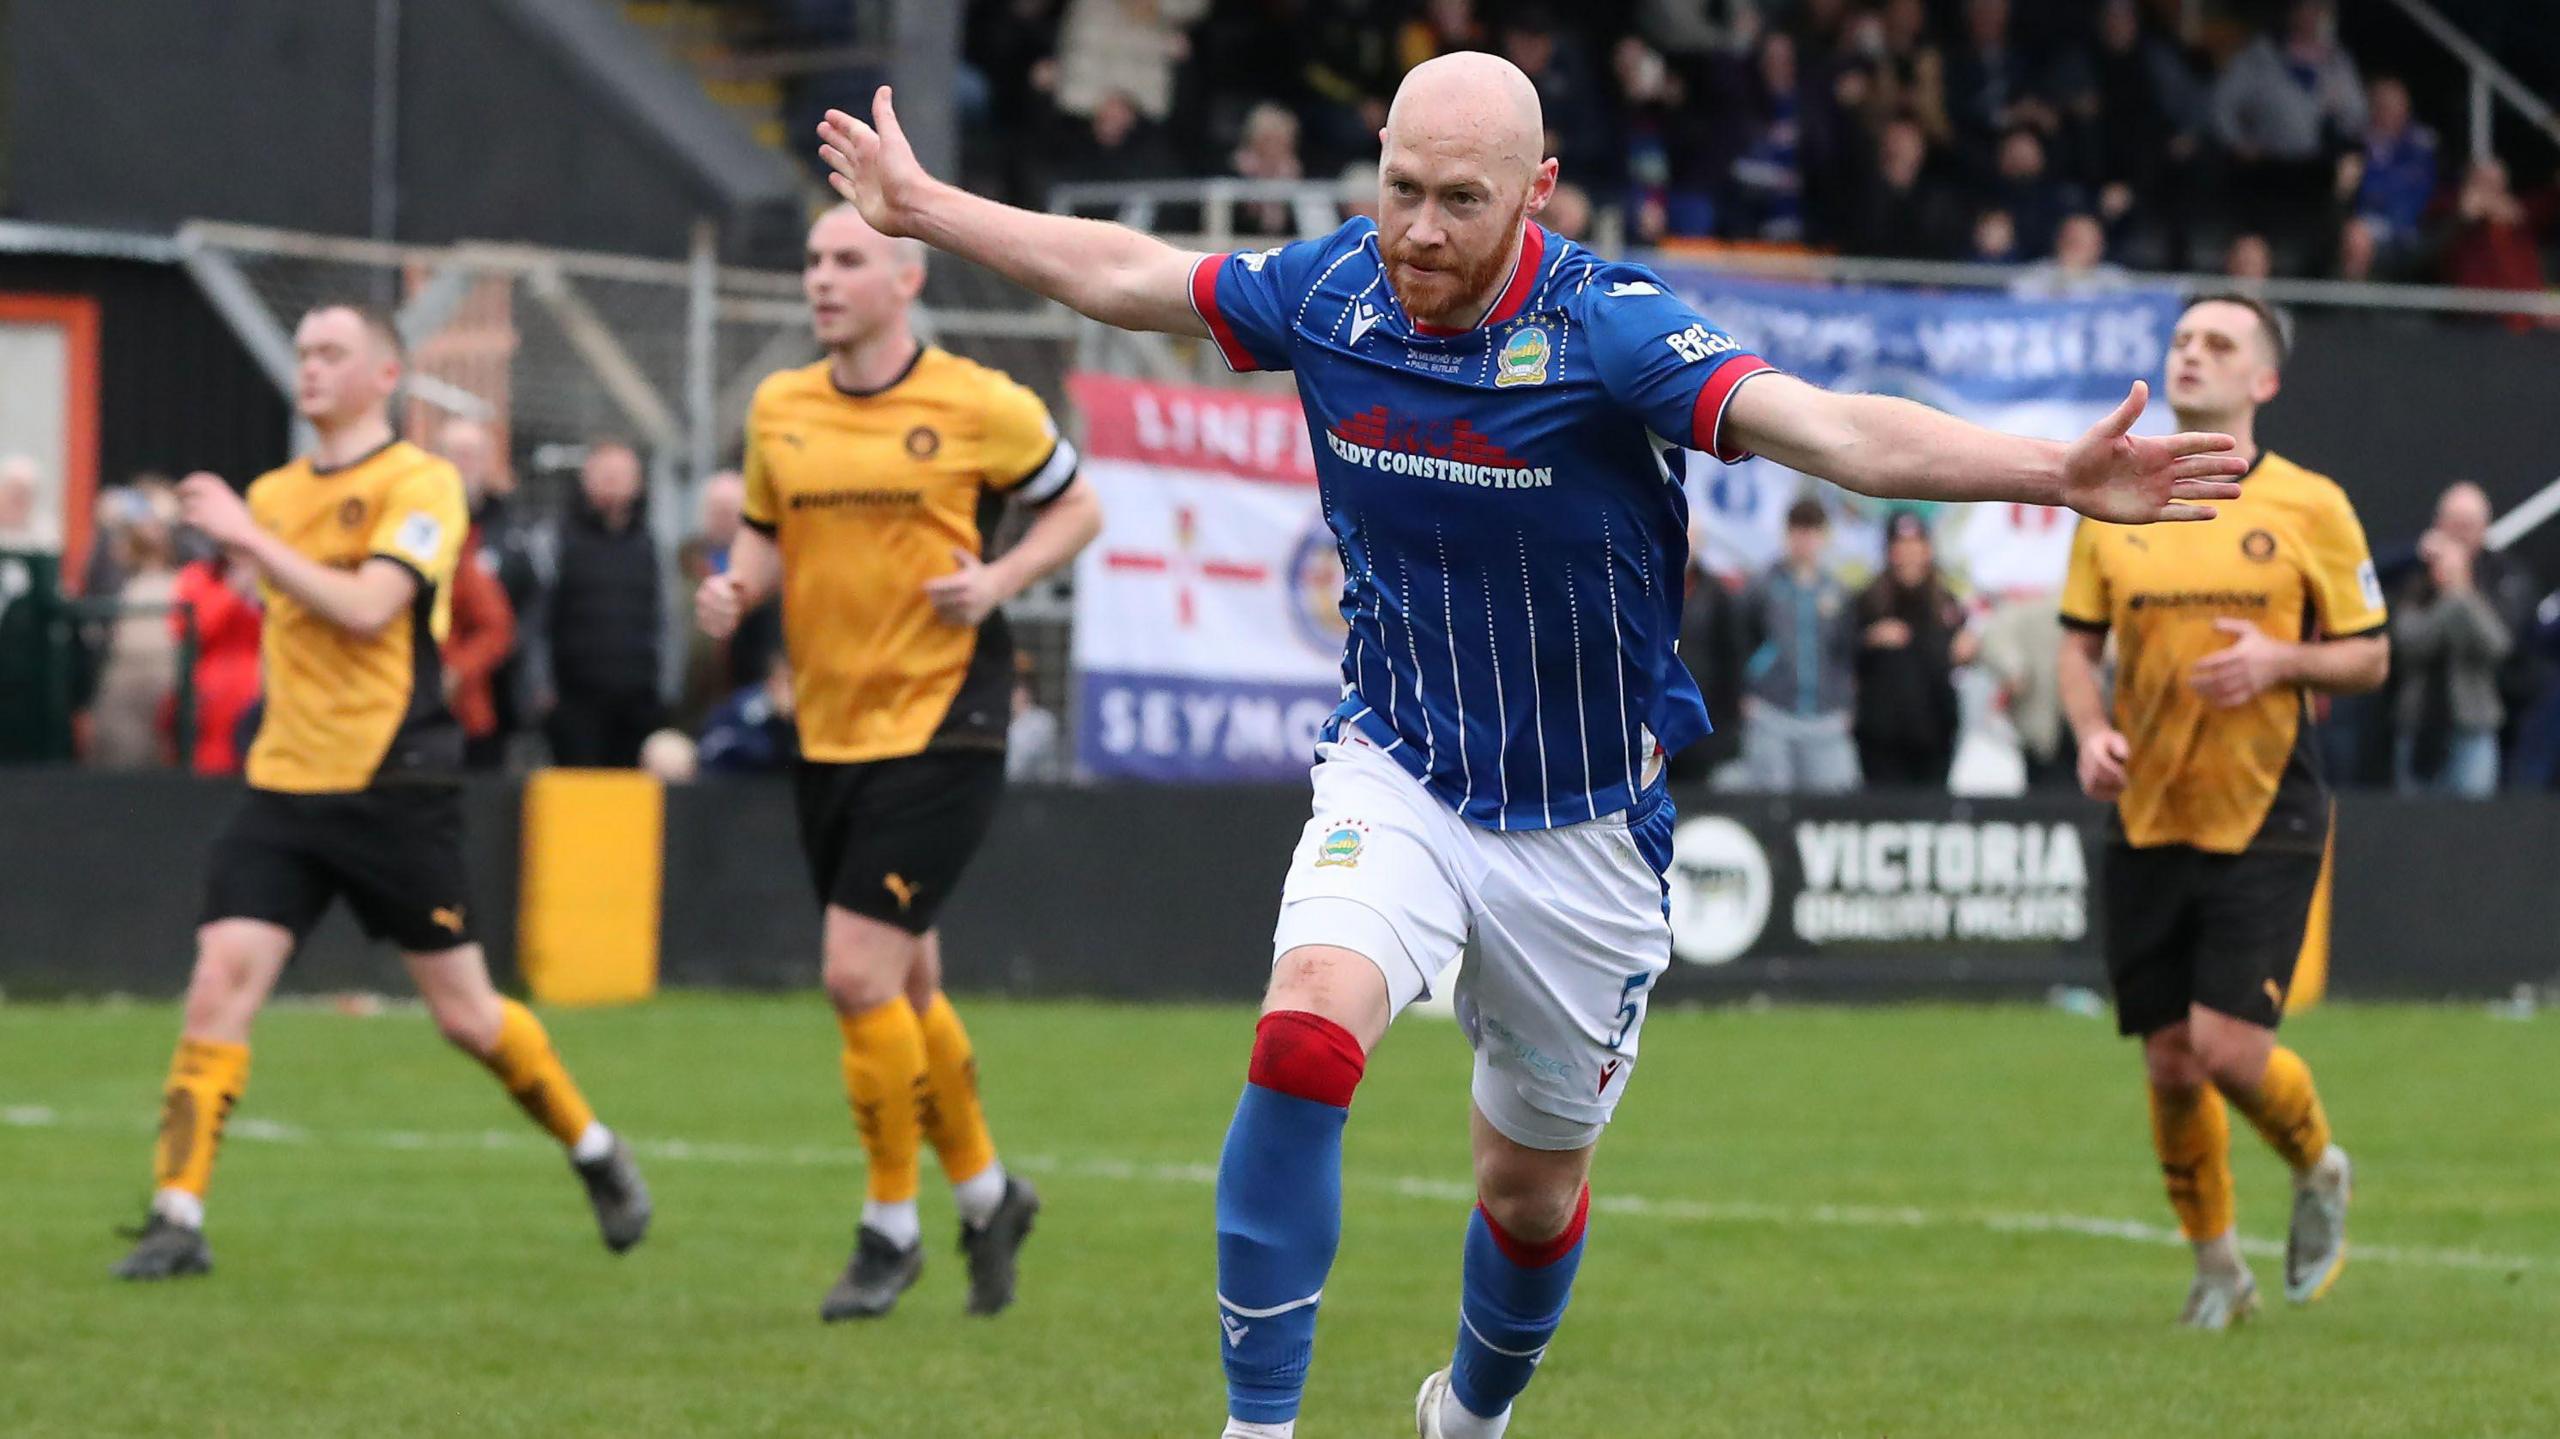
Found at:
[1436, 283]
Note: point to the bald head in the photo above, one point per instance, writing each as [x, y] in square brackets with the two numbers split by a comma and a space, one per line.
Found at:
[1462, 170]
[1470, 104]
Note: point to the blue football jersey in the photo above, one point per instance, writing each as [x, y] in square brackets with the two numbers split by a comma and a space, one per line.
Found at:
[1508, 508]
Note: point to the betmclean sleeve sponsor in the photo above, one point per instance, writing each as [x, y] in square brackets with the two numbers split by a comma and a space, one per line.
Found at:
[1662, 360]
[1895, 881]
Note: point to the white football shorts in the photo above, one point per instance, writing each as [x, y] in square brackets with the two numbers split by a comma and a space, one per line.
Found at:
[1564, 931]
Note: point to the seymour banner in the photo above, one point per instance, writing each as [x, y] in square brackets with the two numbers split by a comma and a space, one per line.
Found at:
[1208, 645]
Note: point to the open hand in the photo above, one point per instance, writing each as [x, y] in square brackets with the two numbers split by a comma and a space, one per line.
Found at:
[2122, 478]
[872, 166]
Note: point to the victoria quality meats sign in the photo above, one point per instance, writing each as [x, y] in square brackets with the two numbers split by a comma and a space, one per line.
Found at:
[1866, 876]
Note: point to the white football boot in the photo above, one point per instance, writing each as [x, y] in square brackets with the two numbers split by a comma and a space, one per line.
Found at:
[2315, 1248]
[1429, 1407]
[2219, 1300]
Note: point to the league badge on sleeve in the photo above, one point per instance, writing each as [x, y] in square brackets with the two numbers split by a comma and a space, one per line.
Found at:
[420, 537]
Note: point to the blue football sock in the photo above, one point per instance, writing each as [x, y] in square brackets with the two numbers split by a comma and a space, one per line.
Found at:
[1279, 1221]
[1510, 1303]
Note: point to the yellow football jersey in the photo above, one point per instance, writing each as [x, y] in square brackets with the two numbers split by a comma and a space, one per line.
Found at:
[867, 496]
[343, 710]
[2288, 556]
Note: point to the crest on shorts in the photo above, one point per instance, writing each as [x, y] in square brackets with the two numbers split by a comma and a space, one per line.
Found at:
[1524, 358]
[1342, 846]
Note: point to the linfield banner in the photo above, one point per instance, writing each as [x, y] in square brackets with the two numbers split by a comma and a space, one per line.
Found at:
[2048, 368]
[1208, 642]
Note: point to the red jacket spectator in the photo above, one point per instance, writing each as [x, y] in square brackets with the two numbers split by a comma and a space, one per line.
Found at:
[228, 622]
[482, 636]
[2493, 246]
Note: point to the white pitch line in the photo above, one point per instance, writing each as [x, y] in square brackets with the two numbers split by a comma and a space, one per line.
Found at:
[1437, 1191]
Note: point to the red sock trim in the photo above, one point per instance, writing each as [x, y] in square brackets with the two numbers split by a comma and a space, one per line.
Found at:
[1306, 1056]
[1540, 1255]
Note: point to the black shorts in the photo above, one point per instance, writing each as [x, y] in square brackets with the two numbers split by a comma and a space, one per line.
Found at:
[889, 838]
[394, 851]
[2186, 927]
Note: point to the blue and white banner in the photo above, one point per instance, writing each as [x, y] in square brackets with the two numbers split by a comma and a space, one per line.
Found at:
[2048, 368]
[1208, 638]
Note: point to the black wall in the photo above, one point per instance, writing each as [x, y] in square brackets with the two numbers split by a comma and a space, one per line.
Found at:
[1158, 894]
[2396, 407]
[101, 876]
[177, 391]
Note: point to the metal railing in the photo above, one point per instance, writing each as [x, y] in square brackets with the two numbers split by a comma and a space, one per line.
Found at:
[2490, 81]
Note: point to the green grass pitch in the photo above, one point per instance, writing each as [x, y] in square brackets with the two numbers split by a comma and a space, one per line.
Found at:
[1811, 1222]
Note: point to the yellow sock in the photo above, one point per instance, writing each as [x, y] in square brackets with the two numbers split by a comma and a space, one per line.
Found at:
[530, 1068]
[2286, 1110]
[953, 1118]
[2192, 1133]
[884, 1076]
[205, 1080]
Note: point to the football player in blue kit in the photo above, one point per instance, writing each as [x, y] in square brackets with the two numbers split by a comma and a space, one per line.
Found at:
[1497, 416]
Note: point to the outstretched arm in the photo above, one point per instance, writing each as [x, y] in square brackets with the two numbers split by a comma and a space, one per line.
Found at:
[1894, 449]
[1110, 272]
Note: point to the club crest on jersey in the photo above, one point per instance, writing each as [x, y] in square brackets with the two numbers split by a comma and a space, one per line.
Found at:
[923, 442]
[1341, 848]
[2258, 545]
[351, 513]
[1524, 359]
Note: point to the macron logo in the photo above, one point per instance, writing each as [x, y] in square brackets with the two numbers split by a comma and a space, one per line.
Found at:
[1621, 289]
[1363, 320]
[1235, 1332]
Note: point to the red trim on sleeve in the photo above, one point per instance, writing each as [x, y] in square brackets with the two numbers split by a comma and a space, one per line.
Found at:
[1706, 421]
[1204, 301]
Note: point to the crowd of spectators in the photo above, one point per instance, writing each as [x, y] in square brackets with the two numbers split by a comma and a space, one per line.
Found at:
[1836, 670]
[2073, 132]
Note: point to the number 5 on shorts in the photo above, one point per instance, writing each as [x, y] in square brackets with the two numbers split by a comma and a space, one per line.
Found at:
[1630, 1005]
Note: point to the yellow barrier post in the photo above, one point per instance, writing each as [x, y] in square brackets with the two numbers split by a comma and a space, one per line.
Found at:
[593, 867]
